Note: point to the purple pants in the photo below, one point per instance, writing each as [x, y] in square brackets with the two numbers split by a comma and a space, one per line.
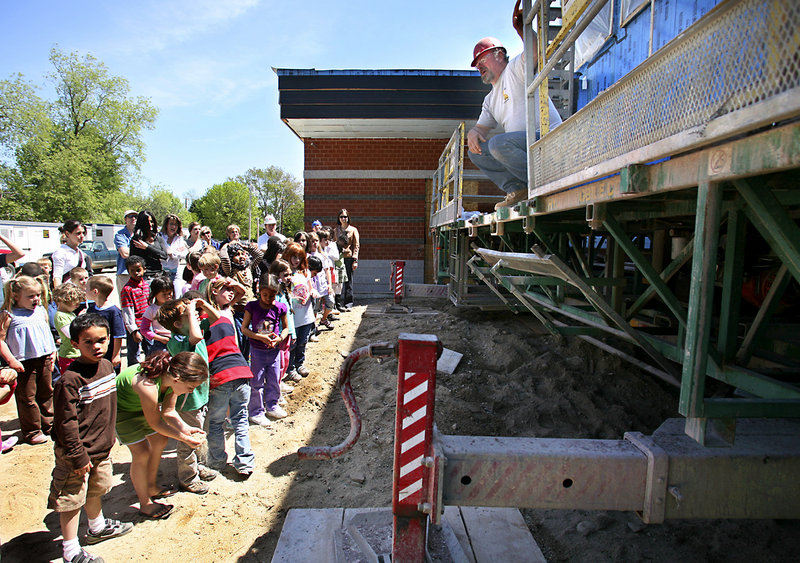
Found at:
[266, 382]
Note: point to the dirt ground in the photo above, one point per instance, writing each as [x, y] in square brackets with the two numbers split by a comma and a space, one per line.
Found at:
[513, 381]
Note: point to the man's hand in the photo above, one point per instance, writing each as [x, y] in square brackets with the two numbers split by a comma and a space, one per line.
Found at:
[517, 19]
[474, 140]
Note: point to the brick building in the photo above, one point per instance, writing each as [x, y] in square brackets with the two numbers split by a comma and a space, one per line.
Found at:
[372, 140]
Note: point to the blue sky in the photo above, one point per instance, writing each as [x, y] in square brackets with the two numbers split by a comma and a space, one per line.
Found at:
[207, 65]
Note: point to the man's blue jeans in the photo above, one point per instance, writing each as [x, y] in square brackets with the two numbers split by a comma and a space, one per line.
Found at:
[505, 160]
[234, 394]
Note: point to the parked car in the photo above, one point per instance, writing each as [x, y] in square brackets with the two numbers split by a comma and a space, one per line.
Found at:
[98, 254]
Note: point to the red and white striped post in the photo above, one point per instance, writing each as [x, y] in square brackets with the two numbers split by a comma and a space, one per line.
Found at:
[397, 274]
[413, 445]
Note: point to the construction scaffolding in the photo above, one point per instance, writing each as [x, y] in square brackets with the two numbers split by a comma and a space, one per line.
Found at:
[661, 215]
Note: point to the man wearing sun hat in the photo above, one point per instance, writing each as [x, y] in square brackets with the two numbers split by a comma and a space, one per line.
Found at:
[504, 156]
[270, 224]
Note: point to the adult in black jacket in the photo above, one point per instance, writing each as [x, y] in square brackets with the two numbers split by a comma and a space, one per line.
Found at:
[147, 244]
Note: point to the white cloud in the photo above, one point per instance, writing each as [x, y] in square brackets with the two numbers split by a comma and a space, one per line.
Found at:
[212, 83]
[157, 25]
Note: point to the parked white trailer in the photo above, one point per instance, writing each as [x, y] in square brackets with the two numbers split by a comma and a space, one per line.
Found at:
[36, 239]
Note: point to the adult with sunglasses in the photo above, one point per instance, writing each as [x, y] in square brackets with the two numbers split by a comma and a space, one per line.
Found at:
[208, 240]
[503, 157]
[68, 255]
[147, 243]
[172, 233]
[350, 253]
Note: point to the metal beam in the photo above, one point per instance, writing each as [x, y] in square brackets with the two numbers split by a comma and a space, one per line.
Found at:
[768, 307]
[774, 224]
[646, 268]
[663, 476]
[666, 275]
[701, 300]
[604, 308]
[731, 286]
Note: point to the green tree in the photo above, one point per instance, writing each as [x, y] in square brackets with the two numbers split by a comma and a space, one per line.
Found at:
[277, 192]
[162, 202]
[222, 205]
[69, 155]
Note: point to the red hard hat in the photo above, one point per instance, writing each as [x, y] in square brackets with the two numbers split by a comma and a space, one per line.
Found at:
[485, 44]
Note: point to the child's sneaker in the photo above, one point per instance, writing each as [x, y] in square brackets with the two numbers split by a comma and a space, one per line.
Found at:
[85, 557]
[327, 324]
[260, 420]
[276, 412]
[313, 338]
[113, 529]
[293, 376]
[303, 371]
[286, 388]
[8, 443]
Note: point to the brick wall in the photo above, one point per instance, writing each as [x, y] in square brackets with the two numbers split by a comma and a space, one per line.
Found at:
[390, 213]
[372, 154]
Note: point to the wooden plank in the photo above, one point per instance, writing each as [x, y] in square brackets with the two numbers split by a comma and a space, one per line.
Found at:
[452, 519]
[308, 535]
[500, 534]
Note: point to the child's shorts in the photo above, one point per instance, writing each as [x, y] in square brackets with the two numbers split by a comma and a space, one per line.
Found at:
[132, 427]
[69, 491]
[327, 301]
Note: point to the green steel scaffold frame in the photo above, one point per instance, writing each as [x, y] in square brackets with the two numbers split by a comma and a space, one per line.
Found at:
[656, 254]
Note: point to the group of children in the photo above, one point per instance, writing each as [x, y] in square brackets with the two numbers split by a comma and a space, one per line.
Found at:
[222, 354]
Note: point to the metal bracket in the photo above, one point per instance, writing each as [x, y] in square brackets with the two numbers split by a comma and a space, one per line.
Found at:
[633, 179]
[498, 228]
[529, 224]
[472, 229]
[655, 492]
[437, 463]
[595, 215]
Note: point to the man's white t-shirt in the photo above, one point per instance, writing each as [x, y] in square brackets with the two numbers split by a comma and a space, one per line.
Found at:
[505, 104]
[263, 239]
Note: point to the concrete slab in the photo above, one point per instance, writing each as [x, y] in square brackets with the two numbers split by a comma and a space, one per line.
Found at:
[378, 310]
[467, 535]
[307, 535]
[425, 290]
[448, 361]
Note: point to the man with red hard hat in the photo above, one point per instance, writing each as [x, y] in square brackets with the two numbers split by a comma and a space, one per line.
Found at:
[503, 157]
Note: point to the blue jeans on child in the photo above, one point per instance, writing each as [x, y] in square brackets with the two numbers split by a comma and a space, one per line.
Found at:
[234, 394]
[298, 353]
[134, 348]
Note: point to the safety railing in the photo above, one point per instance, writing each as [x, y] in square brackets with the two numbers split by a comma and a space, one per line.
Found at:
[734, 70]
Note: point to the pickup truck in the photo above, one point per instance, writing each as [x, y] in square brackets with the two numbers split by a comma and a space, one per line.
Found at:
[99, 255]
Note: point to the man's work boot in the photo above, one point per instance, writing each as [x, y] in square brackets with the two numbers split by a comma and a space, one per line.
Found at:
[512, 198]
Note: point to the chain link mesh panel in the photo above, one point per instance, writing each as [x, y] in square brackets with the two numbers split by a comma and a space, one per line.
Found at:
[742, 53]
